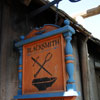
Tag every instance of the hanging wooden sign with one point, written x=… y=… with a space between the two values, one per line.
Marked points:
x=43 y=66
x=46 y=67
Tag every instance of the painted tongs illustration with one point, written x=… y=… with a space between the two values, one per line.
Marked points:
x=47 y=58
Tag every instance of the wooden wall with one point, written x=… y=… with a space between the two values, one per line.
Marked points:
x=9 y=60
x=10 y=31
x=94 y=70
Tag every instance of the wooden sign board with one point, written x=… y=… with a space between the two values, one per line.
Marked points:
x=43 y=66
x=60 y=98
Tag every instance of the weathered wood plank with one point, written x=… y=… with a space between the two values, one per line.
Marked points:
x=3 y=54
x=88 y=72
x=97 y=65
x=92 y=79
x=77 y=71
x=0 y=41
x=84 y=67
x=8 y=69
x=89 y=12
x=98 y=81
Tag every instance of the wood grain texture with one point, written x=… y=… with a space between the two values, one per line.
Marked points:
x=43 y=30
x=82 y=42
x=92 y=79
x=77 y=68
x=3 y=55
x=98 y=81
x=35 y=69
x=89 y=13
x=9 y=58
x=1 y=8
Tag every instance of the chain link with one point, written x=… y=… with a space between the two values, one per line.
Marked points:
x=56 y=17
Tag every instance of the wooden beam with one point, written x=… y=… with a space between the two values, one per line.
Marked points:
x=26 y=2
x=83 y=59
x=43 y=8
x=88 y=13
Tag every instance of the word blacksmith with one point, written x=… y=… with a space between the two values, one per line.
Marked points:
x=44 y=45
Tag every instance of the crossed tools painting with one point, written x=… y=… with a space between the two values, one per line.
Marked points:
x=45 y=82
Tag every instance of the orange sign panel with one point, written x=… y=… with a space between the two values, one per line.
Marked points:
x=43 y=66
